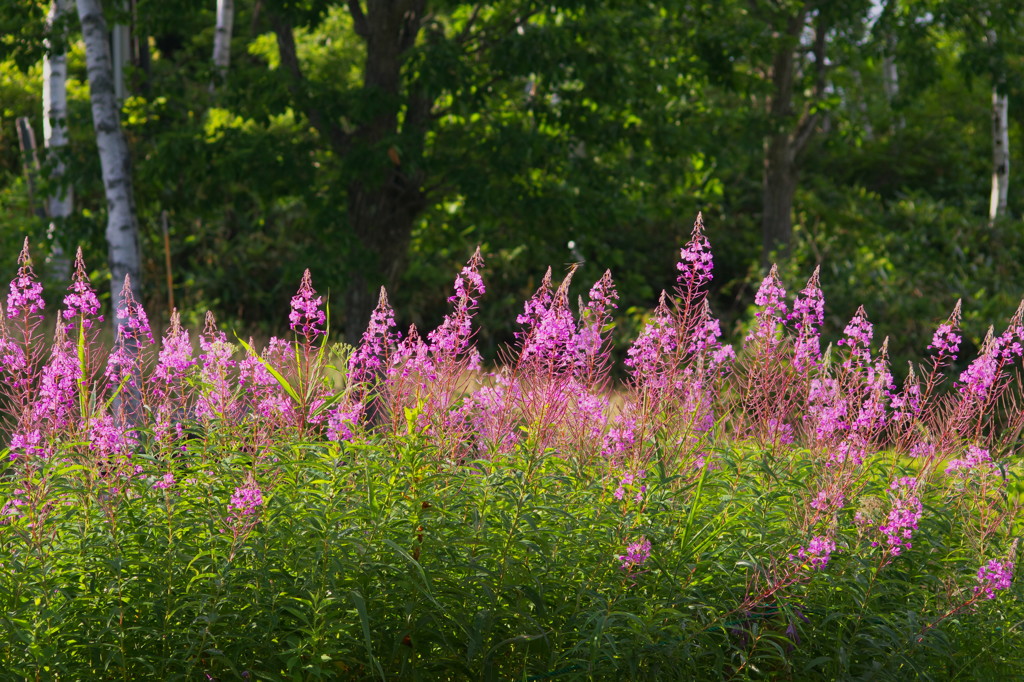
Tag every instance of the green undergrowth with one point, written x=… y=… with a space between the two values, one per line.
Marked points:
x=378 y=560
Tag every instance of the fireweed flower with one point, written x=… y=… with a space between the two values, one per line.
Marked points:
x=771 y=296
x=306 y=318
x=632 y=482
x=857 y=337
x=342 y=419
x=264 y=392
x=946 y=339
x=452 y=338
x=81 y=300
x=994 y=576
x=58 y=381
x=175 y=359
x=133 y=326
x=646 y=358
x=26 y=293
x=807 y=317
x=817 y=553
x=215 y=366
x=246 y=500
x=637 y=554
x=983 y=372
x=977 y=459
x=695 y=262
x=904 y=514
x=165 y=482
x=378 y=344
x=587 y=342
x=27 y=444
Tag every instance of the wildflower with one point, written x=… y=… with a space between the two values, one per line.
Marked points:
x=306 y=318
x=175 y=357
x=817 y=553
x=27 y=443
x=165 y=482
x=378 y=343
x=771 y=296
x=904 y=514
x=637 y=554
x=81 y=300
x=976 y=458
x=342 y=419
x=807 y=316
x=946 y=339
x=26 y=293
x=452 y=337
x=245 y=502
x=857 y=337
x=994 y=576
x=215 y=365
x=58 y=381
x=647 y=356
x=695 y=262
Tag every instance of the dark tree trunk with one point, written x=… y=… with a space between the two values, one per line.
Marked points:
x=789 y=136
x=386 y=197
x=385 y=201
x=780 y=181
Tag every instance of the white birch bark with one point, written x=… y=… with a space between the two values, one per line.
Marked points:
x=122 y=228
x=1000 y=154
x=222 y=41
x=55 y=138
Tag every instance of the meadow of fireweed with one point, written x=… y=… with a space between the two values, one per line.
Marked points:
x=203 y=509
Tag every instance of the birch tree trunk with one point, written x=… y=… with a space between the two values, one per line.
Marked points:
x=222 y=42
x=55 y=138
x=122 y=228
x=1000 y=154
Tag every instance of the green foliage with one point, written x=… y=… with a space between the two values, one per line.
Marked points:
x=373 y=560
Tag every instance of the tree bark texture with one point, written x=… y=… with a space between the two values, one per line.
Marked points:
x=1000 y=154
x=122 y=227
x=386 y=197
x=222 y=41
x=60 y=203
x=788 y=138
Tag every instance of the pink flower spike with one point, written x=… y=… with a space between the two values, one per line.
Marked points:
x=26 y=295
x=81 y=300
x=306 y=318
x=993 y=577
x=695 y=261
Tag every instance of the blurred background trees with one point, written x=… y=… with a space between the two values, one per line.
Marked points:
x=379 y=141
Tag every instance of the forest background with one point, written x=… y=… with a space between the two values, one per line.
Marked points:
x=379 y=142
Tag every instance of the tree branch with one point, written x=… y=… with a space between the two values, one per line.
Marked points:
x=333 y=134
x=359 y=19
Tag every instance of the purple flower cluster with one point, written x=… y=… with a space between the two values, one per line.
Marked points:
x=81 y=300
x=306 y=318
x=342 y=419
x=771 y=296
x=246 y=501
x=26 y=293
x=807 y=317
x=657 y=341
x=637 y=554
x=695 y=261
x=378 y=344
x=857 y=337
x=903 y=516
x=993 y=577
x=976 y=459
x=631 y=481
x=175 y=358
x=817 y=553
